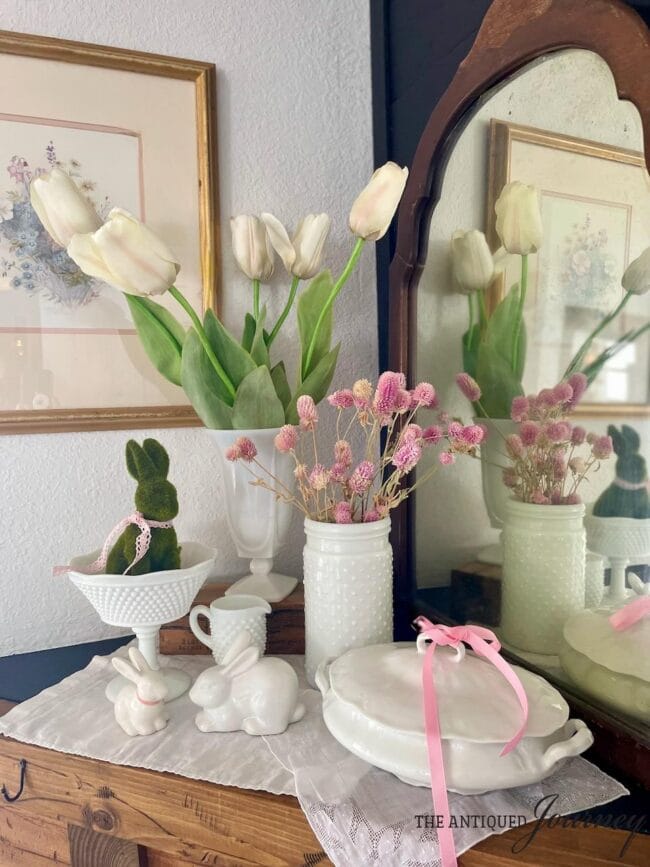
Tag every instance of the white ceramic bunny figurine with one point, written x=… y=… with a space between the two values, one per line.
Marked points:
x=245 y=692
x=140 y=706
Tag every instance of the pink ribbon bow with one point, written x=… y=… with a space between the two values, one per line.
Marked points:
x=484 y=643
x=142 y=543
x=631 y=613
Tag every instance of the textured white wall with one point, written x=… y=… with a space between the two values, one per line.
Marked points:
x=294 y=121
x=570 y=92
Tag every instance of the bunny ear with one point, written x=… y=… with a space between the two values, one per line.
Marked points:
x=617 y=439
x=125 y=669
x=631 y=437
x=138 y=660
x=246 y=659
x=157 y=455
x=138 y=462
x=242 y=640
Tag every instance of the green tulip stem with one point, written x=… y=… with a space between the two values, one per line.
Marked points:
x=470 y=304
x=287 y=308
x=579 y=357
x=256 y=299
x=482 y=309
x=198 y=327
x=336 y=288
x=520 y=310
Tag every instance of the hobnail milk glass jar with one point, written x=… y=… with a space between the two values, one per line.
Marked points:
x=348 y=577
x=543 y=573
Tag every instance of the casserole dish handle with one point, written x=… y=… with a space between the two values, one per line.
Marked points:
x=578 y=739
x=322 y=676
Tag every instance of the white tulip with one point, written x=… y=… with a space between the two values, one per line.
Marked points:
x=519 y=219
x=375 y=206
x=126 y=254
x=251 y=247
x=302 y=255
x=471 y=261
x=637 y=274
x=61 y=207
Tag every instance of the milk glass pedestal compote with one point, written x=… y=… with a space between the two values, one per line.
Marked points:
x=622 y=541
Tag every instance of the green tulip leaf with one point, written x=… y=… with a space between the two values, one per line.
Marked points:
x=249 y=332
x=499 y=385
x=259 y=350
x=232 y=356
x=161 y=334
x=205 y=390
x=317 y=383
x=256 y=402
x=310 y=305
x=281 y=383
x=470 y=341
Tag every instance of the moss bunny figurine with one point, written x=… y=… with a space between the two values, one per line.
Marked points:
x=627 y=496
x=156 y=500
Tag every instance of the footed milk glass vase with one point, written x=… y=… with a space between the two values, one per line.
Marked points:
x=543 y=574
x=495 y=493
x=258 y=522
x=348 y=579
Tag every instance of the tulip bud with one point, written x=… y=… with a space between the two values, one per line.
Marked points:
x=303 y=254
x=471 y=261
x=126 y=254
x=519 y=219
x=375 y=206
x=61 y=207
x=251 y=247
x=637 y=274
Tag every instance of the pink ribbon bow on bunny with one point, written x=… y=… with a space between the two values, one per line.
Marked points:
x=484 y=643
x=631 y=613
x=141 y=543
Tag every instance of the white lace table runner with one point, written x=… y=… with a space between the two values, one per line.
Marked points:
x=361 y=815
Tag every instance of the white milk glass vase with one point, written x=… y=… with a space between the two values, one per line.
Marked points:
x=348 y=578
x=495 y=493
x=258 y=522
x=543 y=574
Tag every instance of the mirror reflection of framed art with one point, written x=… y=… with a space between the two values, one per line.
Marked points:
x=133 y=130
x=595 y=203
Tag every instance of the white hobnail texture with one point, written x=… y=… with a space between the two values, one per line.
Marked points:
x=594 y=580
x=227 y=617
x=348 y=578
x=543 y=574
x=495 y=493
x=622 y=541
x=257 y=520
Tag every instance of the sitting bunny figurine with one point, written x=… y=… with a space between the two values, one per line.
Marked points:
x=245 y=692
x=140 y=707
x=627 y=496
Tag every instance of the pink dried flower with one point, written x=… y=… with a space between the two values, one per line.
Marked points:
x=468 y=386
x=246 y=449
x=454 y=430
x=528 y=432
x=432 y=434
x=372 y=515
x=540 y=498
x=577 y=465
x=559 y=467
x=446 y=458
x=519 y=408
x=233 y=453
x=546 y=399
x=557 y=431
x=403 y=400
x=515 y=446
x=362 y=393
x=572 y=499
x=362 y=477
x=411 y=433
x=307 y=412
x=407 y=456
x=338 y=474
x=343 y=453
x=319 y=477
x=578 y=435
x=602 y=447
x=579 y=383
x=342 y=399
x=300 y=472
x=388 y=392
x=286 y=438
x=473 y=434
x=563 y=392
x=343 y=513
x=424 y=394
x=510 y=477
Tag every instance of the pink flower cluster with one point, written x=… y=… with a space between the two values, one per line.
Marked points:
x=545 y=469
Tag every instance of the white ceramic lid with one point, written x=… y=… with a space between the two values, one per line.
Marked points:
x=625 y=652
x=476 y=703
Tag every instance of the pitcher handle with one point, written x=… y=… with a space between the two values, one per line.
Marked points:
x=203 y=637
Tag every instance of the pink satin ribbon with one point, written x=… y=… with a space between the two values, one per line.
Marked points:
x=631 y=613
x=142 y=543
x=484 y=643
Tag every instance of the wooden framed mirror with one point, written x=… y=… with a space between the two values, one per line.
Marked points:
x=573 y=79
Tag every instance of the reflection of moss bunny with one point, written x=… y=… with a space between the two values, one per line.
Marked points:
x=155 y=498
x=627 y=496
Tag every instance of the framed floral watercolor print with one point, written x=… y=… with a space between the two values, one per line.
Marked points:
x=133 y=130
x=595 y=202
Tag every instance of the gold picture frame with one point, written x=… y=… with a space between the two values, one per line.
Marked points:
x=504 y=138
x=206 y=261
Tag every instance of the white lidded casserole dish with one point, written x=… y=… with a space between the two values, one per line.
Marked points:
x=373 y=705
